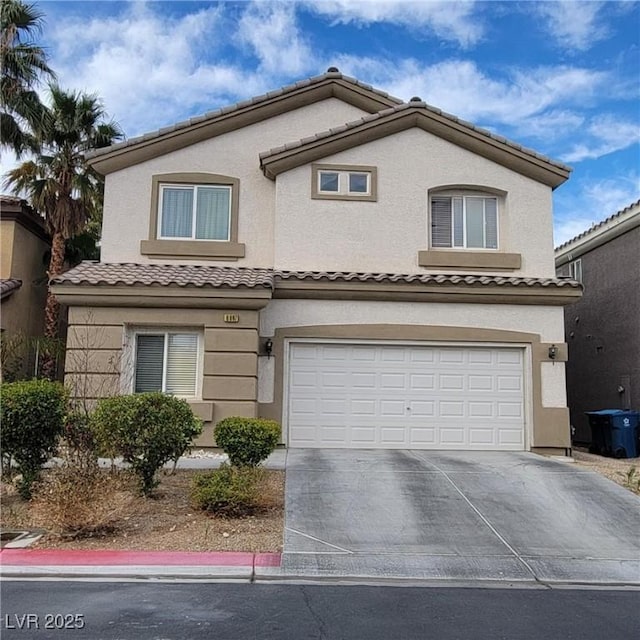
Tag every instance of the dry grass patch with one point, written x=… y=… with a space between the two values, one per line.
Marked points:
x=168 y=521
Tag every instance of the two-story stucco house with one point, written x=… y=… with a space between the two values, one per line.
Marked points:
x=371 y=273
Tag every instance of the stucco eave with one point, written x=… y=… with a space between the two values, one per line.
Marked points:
x=409 y=293
x=456 y=132
x=574 y=250
x=163 y=142
x=161 y=297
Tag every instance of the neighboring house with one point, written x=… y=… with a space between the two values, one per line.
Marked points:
x=385 y=283
x=23 y=269
x=603 y=328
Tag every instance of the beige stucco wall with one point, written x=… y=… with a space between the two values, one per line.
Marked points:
x=98 y=365
x=548 y=322
x=22 y=258
x=235 y=154
x=385 y=236
x=6 y=247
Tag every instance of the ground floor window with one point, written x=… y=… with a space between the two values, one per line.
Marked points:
x=166 y=361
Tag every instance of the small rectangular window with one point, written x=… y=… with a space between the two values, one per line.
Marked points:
x=358 y=183
x=344 y=182
x=464 y=221
x=198 y=212
x=575 y=270
x=166 y=362
x=329 y=181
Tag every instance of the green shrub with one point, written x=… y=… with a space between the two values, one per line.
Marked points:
x=146 y=429
x=32 y=417
x=247 y=441
x=230 y=491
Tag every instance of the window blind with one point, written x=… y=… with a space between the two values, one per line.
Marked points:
x=182 y=358
x=441 y=222
x=149 y=363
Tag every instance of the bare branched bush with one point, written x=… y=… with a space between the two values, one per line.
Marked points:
x=81 y=501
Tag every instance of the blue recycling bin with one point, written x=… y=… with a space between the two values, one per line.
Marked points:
x=614 y=432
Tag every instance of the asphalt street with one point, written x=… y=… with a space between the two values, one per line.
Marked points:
x=223 y=611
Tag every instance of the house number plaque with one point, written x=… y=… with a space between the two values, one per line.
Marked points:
x=231 y=317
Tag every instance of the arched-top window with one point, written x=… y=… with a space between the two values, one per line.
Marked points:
x=464 y=218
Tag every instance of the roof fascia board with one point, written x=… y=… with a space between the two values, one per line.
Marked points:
x=29 y=221
x=426 y=293
x=160 y=297
x=590 y=242
x=455 y=132
x=235 y=119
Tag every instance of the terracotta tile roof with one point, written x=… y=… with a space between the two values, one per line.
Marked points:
x=112 y=274
x=426 y=278
x=8 y=286
x=594 y=228
x=413 y=104
x=212 y=115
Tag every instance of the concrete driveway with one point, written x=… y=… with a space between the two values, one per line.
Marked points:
x=513 y=517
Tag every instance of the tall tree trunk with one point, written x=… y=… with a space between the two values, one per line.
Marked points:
x=52 y=308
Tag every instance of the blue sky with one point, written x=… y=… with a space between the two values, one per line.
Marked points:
x=560 y=77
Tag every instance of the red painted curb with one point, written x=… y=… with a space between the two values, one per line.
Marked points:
x=267 y=559
x=56 y=557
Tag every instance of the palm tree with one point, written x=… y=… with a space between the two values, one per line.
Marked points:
x=22 y=64
x=59 y=183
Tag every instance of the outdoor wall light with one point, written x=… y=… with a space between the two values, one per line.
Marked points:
x=553 y=352
x=268 y=347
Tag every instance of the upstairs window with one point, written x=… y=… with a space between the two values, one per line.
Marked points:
x=195 y=212
x=465 y=222
x=575 y=270
x=343 y=182
x=166 y=362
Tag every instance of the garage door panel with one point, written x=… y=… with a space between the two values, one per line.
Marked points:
x=392 y=381
x=481 y=356
x=480 y=383
x=422 y=382
x=481 y=409
x=422 y=409
x=379 y=396
x=451 y=409
x=392 y=408
x=422 y=435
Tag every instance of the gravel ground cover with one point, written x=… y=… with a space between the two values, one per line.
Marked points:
x=167 y=521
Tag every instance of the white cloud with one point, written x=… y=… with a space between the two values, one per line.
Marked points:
x=606 y=134
x=451 y=21
x=272 y=32
x=147 y=68
x=461 y=88
x=591 y=202
x=574 y=25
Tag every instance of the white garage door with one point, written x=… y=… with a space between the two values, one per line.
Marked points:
x=415 y=397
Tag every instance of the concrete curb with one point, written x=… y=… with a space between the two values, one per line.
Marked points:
x=52 y=563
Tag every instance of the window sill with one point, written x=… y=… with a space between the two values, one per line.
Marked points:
x=365 y=197
x=192 y=249
x=465 y=259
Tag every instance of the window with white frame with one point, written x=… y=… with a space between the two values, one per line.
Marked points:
x=166 y=361
x=464 y=221
x=343 y=182
x=195 y=212
x=575 y=270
